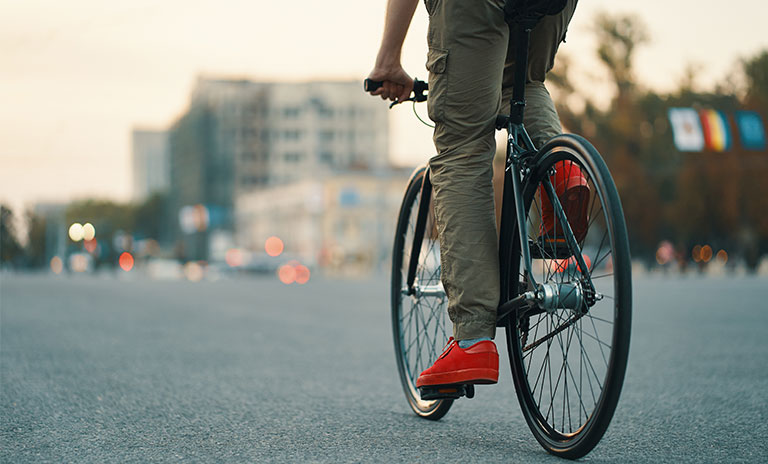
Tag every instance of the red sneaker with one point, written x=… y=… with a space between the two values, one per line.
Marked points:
x=478 y=364
x=573 y=192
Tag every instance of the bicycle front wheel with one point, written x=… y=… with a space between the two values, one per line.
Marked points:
x=568 y=362
x=420 y=323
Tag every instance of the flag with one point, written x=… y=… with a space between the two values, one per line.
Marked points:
x=686 y=129
x=751 y=130
x=717 y=133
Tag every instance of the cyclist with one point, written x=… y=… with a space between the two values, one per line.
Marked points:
x=471 y=63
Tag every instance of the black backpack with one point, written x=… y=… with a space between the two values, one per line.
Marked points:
x=518 y=9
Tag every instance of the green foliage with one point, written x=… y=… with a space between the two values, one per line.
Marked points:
x=756 y=73
x=35 y=249
x=10 y=250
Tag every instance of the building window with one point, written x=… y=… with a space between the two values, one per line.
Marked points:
x=326 y=136
x=292 y=157
x=292 y=135
x=326 y=157
x=291 y=112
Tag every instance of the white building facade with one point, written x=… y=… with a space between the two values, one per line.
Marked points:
x=343 y=223
x=242 y=141
x=150 y=162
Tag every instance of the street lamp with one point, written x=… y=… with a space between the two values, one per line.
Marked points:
x=76 y=232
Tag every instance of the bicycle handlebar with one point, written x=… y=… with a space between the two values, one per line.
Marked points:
x=419 y=87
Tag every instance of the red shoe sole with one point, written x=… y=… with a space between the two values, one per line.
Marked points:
x=474 y=376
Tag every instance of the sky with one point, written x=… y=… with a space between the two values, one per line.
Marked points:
x=77 y=76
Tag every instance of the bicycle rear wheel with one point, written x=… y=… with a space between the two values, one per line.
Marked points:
x=420 y=324
x=568 y=365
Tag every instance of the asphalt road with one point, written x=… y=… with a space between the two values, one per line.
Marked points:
x=115 y=370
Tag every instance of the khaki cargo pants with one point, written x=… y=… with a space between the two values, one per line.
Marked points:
x=471 y=63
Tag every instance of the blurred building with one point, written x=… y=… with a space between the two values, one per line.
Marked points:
x=54 y=217
x=239 y=136
x=150 y=163
x=344 y=223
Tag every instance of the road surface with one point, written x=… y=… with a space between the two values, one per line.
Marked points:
x=99 y=369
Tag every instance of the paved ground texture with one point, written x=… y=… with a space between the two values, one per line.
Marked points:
x=114 y=370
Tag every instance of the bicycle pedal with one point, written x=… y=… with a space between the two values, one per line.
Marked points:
x=549 y=249
x=446 y=392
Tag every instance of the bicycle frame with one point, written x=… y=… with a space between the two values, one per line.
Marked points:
x=520 y=151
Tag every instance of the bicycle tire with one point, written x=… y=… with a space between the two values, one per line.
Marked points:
x=533 y=355
x=420 y=326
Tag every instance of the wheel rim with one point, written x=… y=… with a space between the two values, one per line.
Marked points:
x=422 y=323
x=566 y=356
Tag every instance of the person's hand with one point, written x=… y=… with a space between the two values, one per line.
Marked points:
x=397 y=84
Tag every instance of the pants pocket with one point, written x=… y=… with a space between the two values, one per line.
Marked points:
x=437 y=63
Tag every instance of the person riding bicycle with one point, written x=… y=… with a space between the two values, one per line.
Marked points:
x=471 y=63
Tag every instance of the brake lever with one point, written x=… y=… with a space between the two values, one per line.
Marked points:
x=419 y=87
x=397 y=102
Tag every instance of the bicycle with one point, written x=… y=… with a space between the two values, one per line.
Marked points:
x=567 y=316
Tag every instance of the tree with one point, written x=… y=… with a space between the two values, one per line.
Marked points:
x=150 y=217
x=35 y=249
x=756 y=73
x=10 y=250
x=618 y=36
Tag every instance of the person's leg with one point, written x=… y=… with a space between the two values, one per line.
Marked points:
x=541 y=120
x=467 y=48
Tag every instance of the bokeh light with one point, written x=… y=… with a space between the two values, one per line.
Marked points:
x=194 y=271
x=287 y=274
x=78 y=262
x=234 y=257
x=665 y=253
x=696 y=254
x=89 y=232
x=126 y=261
x=302 y=274
x=273 y=246
x=722 y=256
x=57 y=265
x=76 y=232
x=194 y=218
x=91 y=245
x=706 y=253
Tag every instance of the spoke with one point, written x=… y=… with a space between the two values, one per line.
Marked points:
x=564 y=367
x=597 y=339
x=553 y=333
x=600 y=343
x=570 y=371
x=592 y=368
x=581 y=367
x=589 y=379
x=594 y=266
x=530 y=360
x=589 y=315
x=599 y=249
x=557 y=382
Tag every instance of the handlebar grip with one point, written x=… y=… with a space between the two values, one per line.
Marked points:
x=370 y=85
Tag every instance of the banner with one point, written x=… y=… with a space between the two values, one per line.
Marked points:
x=717 y=133
x=686 y=129
x=751 y=130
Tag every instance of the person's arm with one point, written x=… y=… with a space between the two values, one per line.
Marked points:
x=397 y=83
